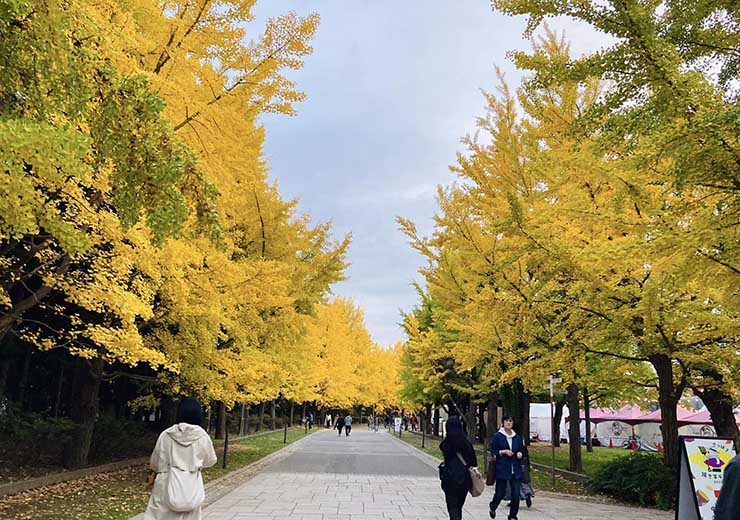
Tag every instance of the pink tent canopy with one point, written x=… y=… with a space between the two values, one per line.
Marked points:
x=597 y=415
x=656 y=416
x=702 y=418
x=629 y=414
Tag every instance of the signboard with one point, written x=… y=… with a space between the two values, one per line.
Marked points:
x=397 y=424
x=703 y=462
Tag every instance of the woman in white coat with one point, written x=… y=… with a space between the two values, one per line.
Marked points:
x=185 y=449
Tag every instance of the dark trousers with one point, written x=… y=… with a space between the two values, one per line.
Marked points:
x=498 y=496
x=340 y=429
x=455 y=498
x=347 y=429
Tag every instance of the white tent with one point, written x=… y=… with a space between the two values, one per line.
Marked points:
x=539 y=421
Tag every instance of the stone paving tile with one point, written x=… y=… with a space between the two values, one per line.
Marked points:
x=278 y=496
x=322 y=494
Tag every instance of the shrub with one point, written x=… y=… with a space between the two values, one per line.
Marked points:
x=118 y=439
x=41 y=437
x=640 y=477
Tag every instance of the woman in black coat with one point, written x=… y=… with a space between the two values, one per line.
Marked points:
x=339 y=425
x=453 y=473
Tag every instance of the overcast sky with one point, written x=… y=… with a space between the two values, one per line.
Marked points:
x=392 y=87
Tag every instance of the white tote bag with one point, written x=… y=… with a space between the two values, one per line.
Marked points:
x=185 y=491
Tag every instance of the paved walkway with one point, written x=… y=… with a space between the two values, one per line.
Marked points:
x=372 y=476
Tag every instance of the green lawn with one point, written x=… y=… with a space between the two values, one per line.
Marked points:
x=540 y=480
x=121 y=494
x=541 y=454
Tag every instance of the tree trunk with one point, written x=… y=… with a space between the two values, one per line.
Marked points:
x=58 y=394
x=436 y=420
x=668 y=396
x=241 y=420
x=524 y=427
x=292 y=407
x=260 y=419
x=720 y=407
x=587 y=419
x=84 y=408
x=482 y=426
x=492 y=423
x=470 y=421
x=559 y=404
x=574 y=430
x=246 y=420
x=23 y=381
x=208 y=418
x=4 y=371
x=220 y=420
x=274 y=419
x=304 y=417
x=168 y=417
x=427 y=419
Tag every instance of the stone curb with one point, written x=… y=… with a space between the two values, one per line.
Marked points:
x=14 y=488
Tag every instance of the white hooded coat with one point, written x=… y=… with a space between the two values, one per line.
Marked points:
x=185 y=446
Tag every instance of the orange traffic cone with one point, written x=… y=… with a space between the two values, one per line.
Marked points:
x=660 y=447
x=633 y=444
x=611 y=444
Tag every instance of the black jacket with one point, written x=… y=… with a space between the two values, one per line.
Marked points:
x=728 y=504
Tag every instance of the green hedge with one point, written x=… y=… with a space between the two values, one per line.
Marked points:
x=640 y=477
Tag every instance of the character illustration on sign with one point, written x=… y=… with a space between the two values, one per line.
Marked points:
x=617 y=429
x=712 y=459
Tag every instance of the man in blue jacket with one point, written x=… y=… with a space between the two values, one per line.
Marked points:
x=509 y=450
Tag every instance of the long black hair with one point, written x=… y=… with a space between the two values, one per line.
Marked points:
x=190 y=411
x=455 y=438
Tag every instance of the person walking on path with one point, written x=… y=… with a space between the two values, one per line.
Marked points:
x=453 y=474
x=347 y=424
x=509 y=450
x=180 y=454
x=728 y=503
x=340 y=424
x=328 y=423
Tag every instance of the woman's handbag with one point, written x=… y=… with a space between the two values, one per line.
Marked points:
x=477 y=485
x=491 y=472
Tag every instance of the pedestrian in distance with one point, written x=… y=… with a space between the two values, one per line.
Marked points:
x=180 y=454
x=328 y=423
x=348 y=424
x=340 y=424
x=509 y=450
x=728 y=503
x=453 y=472
x=309 y=420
